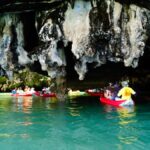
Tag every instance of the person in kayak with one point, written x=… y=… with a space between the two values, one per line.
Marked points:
x=108 y=92
x=126 y=92
x=116 y=88
x=14 y=91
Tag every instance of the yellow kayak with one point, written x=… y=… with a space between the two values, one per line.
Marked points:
x=77 y=93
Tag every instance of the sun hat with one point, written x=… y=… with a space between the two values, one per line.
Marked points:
x=124 y=83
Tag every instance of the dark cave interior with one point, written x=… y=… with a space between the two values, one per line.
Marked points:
x=109 y=72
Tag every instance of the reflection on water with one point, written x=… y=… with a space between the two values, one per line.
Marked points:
x=121 y=110
x=80 y=123
x=74 y=109
x=23 y=103
x=51 y=103
x=126 y=133
x=127 y=117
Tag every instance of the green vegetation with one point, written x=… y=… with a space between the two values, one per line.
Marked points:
x=24 y=78
x=3 y=79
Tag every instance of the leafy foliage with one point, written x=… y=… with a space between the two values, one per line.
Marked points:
x=3 y=80
x=25 y=78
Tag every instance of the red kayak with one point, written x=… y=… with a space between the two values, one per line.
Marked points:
x=45 y=94
x=111 y=102
x=95 y=93
x=23 y=94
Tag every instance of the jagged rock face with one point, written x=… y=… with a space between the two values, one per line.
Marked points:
x=100 y=31
x=12 y=52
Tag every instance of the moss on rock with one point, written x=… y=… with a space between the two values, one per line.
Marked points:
x=25 y=78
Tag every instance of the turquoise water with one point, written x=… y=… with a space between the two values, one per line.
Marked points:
x=77 y=124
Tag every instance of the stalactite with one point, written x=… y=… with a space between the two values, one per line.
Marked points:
x=51 y=58
x=99 y=30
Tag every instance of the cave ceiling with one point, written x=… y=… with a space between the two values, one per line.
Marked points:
x=99 y=30
x=33 y=5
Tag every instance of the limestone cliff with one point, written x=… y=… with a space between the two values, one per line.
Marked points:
x=100 y=30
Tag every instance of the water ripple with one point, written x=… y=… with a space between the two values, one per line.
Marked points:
x=83 y=125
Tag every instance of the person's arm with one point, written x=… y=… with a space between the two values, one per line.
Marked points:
x=119 y=93
x=133 y=92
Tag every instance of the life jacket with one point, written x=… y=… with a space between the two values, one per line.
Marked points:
x=126 y=93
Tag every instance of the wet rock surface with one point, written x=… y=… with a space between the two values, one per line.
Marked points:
x=97 y=32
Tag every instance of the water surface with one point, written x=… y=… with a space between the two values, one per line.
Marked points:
x=76 y=124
